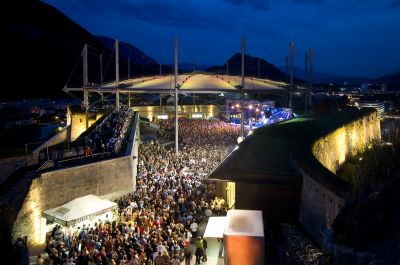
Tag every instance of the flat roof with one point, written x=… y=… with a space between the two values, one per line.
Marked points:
x=244 y=223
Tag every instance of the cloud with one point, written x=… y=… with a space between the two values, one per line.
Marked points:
x=394 y=3
x=210 y=29
x=253 y=4
x=190 y=14
x=300 y=2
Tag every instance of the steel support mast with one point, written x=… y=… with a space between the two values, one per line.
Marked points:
x=117 y=74
x=242 y=93
x=85 y=83
x=291 y=73
x=176 y=95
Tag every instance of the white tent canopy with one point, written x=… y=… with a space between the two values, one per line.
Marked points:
x=79 y=210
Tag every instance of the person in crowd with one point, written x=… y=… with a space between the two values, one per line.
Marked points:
x=187 y=255
x=204 y=258
x=193 y=227
x=155 y=223
x=199 y=250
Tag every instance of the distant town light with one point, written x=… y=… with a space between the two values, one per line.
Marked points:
x=197 y=115
x=162 y=116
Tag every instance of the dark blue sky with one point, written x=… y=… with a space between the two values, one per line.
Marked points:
x=350 y=37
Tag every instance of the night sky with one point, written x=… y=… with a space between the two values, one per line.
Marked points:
x=350 y=37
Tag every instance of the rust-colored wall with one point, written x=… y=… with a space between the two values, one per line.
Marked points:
x=244 y=250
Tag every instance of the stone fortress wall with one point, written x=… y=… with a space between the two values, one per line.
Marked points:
x=320 y=204
x=109 y=179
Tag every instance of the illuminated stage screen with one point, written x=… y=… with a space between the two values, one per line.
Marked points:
x=256 y=114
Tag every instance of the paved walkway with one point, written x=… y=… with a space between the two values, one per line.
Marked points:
x=213 y=251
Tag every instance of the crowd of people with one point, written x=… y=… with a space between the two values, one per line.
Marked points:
x=159 y=222
x=111 y=134
x=195 y=132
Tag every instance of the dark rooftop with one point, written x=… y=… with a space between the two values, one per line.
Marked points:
x=267 y=155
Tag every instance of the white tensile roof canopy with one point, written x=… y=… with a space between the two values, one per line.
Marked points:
x=79 y=210
x=188 y=83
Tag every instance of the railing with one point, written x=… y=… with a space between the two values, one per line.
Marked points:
x=54 y=164
x=32 y=150
x=46 y=144
x=82 y=160
x=47 y=164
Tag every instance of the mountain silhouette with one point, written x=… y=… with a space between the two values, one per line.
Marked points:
x=126 y=50
x=43 y=51
x=267 y=70
x=42 y=47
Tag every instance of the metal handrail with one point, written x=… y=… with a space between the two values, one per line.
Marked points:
x=46 y=162
x=82 y=158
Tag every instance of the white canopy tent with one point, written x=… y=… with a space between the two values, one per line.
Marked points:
x=79 y=210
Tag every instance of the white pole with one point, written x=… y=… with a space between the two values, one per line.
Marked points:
x=85 y=65
x=194 y=102
x=286 y=69
x=310 y=76
x=176 y=95
x=85 y=83
x=242 y=98
x=306 y=80
x=291 y=73
x=227 y=67
x=86 y=103
x=129 y=68
x=101 y=68
x=117 y=73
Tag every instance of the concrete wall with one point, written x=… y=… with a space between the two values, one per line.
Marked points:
x=320 y=205
x=56 y=139
x=332 y=150
x=318 y=209
x=108 y=179
x=77 y=120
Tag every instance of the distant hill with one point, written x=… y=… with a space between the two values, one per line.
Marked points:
x=41 y=49
x=127 y=50
x=188 y=67
x=267 y=70
x=390 y=79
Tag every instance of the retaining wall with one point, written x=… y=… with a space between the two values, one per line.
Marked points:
x=108 y=179
x=320 y=203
